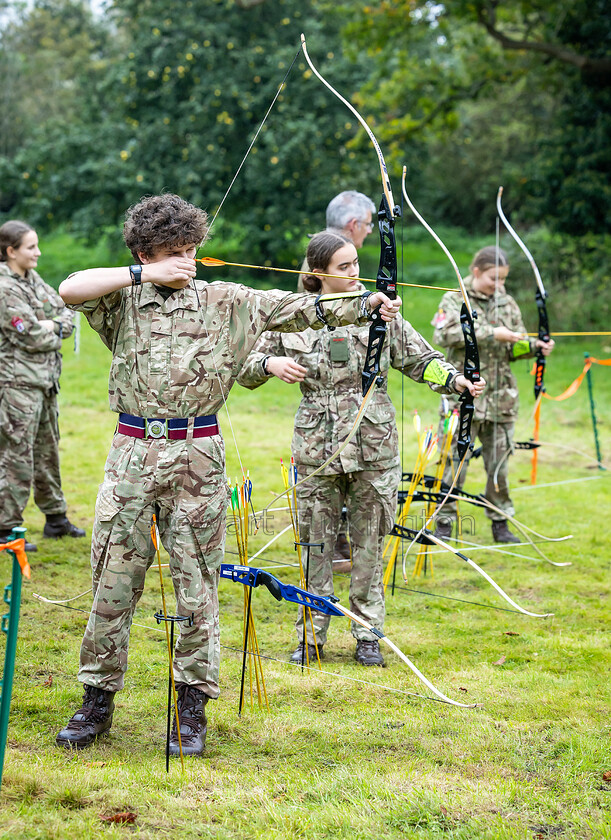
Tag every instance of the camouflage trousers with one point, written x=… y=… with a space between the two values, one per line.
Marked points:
x=29 y=454
x=185 y=480
x=496 y=440
x=370 y=497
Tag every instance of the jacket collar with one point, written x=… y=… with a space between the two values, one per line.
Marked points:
x=180 y=299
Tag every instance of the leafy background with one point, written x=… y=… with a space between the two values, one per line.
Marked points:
x=102 y=104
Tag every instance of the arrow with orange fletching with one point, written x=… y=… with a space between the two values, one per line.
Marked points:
x=213 y=261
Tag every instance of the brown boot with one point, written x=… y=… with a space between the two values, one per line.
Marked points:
x=92 y=719
x=298 y=657
x=368 y=653
x=502 y=534
x=193 y=722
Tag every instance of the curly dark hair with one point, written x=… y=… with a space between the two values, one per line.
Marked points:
x=161 y=221
x=321 y=248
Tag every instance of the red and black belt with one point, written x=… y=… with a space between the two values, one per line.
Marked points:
x=156 y=429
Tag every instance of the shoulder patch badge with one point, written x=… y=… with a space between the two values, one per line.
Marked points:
x=18 y=324
x=440 y=318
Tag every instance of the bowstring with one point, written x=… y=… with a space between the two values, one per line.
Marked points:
x=218 y=210
x=254 y=139
x=497 y=462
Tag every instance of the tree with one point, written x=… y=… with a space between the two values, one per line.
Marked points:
x=178 y=108
x=539 y=71
x=51 y=55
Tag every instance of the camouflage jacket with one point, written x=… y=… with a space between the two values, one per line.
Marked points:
x=332 y=391
x=499 y=402
x=179 y=357
x=30 y=353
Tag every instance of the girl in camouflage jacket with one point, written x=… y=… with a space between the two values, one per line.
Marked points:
x=502 y=340
x=33 y=322
x=365 y=477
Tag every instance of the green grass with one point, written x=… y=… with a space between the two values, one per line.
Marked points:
x=334 y=757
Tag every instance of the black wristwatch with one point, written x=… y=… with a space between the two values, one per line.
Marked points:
x=135 y=272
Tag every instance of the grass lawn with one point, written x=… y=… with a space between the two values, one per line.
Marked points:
x=346 y=753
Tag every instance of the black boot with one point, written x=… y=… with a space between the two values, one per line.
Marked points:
x=368 y=653
x=298 y=656
x=502 y=534
x=58 y=525
x=193 y=722
x=444 y=529
x=5 y=536
x=92 y=719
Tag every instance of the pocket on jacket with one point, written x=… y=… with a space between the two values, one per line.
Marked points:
x=379 y=437
x=312 y=438
x=18 y=416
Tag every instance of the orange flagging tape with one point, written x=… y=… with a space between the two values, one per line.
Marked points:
x=574 y=386
x=18 y=546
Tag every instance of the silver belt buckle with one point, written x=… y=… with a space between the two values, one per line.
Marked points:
x=155 y=429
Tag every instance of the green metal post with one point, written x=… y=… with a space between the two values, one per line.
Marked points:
x=593 y=412
x=10 y=624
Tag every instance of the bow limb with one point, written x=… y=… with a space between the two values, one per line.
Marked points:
x=471 y=363
x=543 y=331
x=524 y=529
x=467 y=316
x=487 y=577
x=383 y=171
x=383 y=638
x=431 y=538
x=540 y=298
x=386 y=280
x=446 y=492
x=471 y=498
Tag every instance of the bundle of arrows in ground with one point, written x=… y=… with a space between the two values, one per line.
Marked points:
x=428 y=445
x=450 y=425
x=240 y=506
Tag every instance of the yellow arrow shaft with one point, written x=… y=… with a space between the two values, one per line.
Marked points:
x=219 y=263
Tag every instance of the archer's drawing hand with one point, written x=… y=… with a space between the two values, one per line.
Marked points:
x=175 y=272
x=389 y=309
x=47 y=324
x=476 y=389
x=507 y=335
x=286 y=369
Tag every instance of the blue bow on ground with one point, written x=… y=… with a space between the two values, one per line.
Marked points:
x=251 y=576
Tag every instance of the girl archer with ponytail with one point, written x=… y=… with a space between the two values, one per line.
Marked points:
x=328 y=367
x=502 y=340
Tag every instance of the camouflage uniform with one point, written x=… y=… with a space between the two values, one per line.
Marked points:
x=174 y=356
x=496 y=410
x=29 y=382
x=366 y=474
